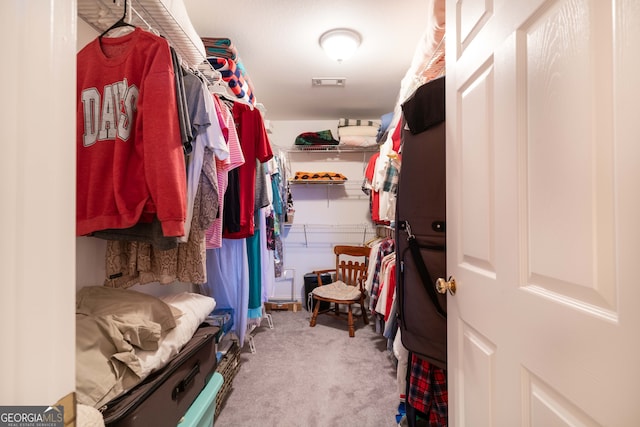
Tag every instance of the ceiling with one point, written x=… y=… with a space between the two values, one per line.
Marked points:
x=277 y=42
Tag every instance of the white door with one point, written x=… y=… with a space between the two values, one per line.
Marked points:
x=543 y=212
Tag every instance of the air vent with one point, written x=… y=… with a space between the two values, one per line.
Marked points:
x=329 y=81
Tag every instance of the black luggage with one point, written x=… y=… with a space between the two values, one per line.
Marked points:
x=420 y=230
x=310 y=283
x=164 y=397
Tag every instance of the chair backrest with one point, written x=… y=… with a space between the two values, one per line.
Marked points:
x=351 y=264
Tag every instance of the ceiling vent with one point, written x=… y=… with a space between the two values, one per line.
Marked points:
x=328 y=81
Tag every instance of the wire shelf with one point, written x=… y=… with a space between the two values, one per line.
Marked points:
x=152 y=15
x=328 y=234
x=334 y=148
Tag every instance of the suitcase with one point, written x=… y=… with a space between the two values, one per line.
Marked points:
x=310 y=283
x=164 y=397
x=421 y=212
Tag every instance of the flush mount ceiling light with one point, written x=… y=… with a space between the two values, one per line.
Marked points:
x=340 y=44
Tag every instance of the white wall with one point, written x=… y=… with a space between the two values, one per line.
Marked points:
x=324 y=215
x=37 y=188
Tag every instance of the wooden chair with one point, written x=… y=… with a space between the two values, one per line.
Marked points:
x=348 y=287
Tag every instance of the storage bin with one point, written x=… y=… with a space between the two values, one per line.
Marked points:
x=222 y=318
x=201 y=413
x=311 y=282
x=228 y=368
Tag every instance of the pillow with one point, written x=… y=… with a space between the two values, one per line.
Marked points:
x=102 y=300
x=195 y=306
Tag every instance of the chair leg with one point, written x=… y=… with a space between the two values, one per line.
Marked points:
x=364 y=312
x=352 y=331
x=316 y=308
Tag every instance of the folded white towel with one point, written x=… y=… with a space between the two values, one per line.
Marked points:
x=358 y=141
x=358 y=122
x=357 y=131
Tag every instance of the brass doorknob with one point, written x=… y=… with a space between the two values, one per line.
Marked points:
x=443 y=286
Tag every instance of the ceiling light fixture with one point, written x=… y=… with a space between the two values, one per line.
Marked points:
x=340 y=43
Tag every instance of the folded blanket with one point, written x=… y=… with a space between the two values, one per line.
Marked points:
x=221 y=53
x=220 y=47
x=356 y=122
x=357 y=130
x=232 y=75
x=319 y=176
x=385 y=122
x=222 y=42
x=244 y=73
x=323 y=137
x=358 y=141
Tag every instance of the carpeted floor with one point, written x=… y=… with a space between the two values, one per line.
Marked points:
x=313 y=377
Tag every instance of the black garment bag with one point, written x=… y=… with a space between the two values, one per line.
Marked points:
x=421 y=227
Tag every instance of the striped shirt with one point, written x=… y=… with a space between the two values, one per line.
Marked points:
x=235 y=159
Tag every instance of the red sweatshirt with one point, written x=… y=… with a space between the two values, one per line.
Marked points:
x=130 y=162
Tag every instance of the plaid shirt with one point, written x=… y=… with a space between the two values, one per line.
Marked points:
x=391 y=176
x=386 y=247
x=428 y=391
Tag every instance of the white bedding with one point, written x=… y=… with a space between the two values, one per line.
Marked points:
x=112 y=327
x=195 y=308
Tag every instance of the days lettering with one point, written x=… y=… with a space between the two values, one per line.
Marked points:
x=111 y=115
x=127 y=111
x=108 y=118
x=91 y=112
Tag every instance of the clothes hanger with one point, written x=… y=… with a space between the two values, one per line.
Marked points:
x=120 y=23
x=219 y=87
x=213 y=79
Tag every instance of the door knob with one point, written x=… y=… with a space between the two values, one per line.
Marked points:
x=443 y=286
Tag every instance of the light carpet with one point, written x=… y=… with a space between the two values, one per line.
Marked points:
x=301 y=376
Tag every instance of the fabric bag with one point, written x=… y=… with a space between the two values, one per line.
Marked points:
x=420 y=230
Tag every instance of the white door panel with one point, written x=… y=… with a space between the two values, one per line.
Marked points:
x=543 y=166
